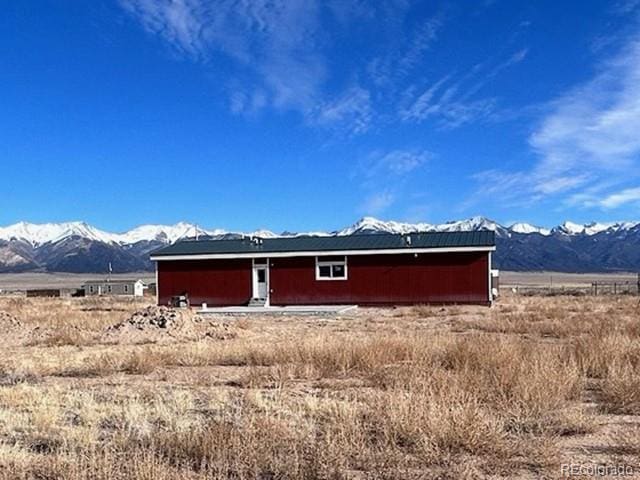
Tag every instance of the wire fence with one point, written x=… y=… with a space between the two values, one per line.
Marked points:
x=615 y=288
x=595 y=288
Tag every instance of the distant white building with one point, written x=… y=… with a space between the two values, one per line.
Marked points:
x=131 y=287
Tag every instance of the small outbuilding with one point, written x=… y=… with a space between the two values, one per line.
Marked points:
x=130 y=287
x=375 y=269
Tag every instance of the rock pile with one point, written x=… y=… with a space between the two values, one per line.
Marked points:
x=167 y=325
x=159 y=317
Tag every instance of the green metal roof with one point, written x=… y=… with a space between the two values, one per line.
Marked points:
x=248 y=245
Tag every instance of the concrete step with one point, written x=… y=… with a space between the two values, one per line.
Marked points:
x=257 y=302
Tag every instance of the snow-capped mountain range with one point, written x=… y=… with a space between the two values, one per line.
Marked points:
x=80 y=247
x=37 y=235
x=40 y=234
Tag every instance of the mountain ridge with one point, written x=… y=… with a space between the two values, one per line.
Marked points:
x=82 y=248
x=40 y=234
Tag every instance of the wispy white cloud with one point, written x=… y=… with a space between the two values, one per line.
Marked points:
x=587 y=146
x=594 y=128
x=422 y=40
x=377 y=203
x=180 y=22
x=447 y=106
x=352 y=111
x=395 y=163
x=452 y=100
x=514 y=59
x=625 y=7
x=247 y=102
x=609 y=201
x=402 y=162
x=407 y=50
x=596 y=125
x=383 y=176
x=282 y=54
x=280 y=51
x=272 y=42
x=615 y=200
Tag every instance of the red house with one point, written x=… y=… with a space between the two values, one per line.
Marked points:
x=376 y=269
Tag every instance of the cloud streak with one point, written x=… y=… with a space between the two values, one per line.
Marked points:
x=443 y=103
x=384 y=174
x=587 y=143
x=273 y=44
x=377 y=203
x=179 y=22
x=352 y=111
x=283 y=55
x=452 y=102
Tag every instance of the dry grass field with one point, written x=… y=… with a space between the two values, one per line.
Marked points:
x=514 y=391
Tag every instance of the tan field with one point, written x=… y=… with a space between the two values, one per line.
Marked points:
x=560 y=279
x=515 y=391
x=23 y=281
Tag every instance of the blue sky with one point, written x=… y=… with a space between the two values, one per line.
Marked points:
x=300 y=115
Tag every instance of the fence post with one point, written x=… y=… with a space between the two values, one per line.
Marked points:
x=595 y=289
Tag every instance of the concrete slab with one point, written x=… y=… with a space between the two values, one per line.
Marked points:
x=286 y=310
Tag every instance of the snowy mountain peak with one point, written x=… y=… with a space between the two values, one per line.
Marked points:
x=471 y=224
x=39 y=234
x=262 y=233
x=593 y=228
x=371 y=224
x=527 y=228
x=161 y=233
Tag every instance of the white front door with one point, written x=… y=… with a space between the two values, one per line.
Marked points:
x=261 y=280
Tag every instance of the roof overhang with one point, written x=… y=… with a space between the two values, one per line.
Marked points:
x=322 y=253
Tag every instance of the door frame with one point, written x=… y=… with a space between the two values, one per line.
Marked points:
x=254 y=278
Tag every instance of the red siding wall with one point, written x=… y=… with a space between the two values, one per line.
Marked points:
x=372 y=279
x=215 y=282
x=384 y=279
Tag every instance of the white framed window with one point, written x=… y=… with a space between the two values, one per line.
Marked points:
x=126 y=289
x=331 y=268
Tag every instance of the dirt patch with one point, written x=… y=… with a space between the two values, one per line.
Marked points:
x=165 y=325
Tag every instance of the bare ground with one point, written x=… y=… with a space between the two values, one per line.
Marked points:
x=106 y=388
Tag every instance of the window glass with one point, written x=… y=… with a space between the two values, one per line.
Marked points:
x=324 y=271
x=332 y=258
x=338 y=271
x=262 y=275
